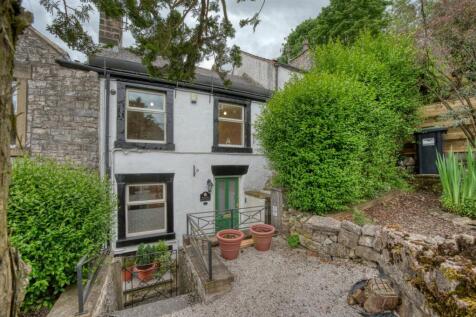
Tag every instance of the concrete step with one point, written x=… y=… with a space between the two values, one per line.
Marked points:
x=222 y=278
x=155 y=309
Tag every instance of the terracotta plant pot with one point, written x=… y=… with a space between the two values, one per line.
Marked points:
x=127 y=274
x=262 y=235
x=230 y=241
x=145 y=273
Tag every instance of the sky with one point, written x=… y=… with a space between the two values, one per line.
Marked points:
x=278 y=18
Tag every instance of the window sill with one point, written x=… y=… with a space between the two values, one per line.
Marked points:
x=225 y=149
x=145 y=239
x=144 y=146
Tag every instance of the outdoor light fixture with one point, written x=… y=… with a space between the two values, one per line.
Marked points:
x=209 y=185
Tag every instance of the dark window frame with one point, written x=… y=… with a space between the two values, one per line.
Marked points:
x=122 y=181
x=246 y=104
x=121 y=141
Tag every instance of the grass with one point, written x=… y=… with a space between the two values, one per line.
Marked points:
x=360 y=218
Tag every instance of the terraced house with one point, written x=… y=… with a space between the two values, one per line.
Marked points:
x=169 y=148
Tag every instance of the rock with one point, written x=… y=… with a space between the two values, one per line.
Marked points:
x=357 y=298
x=324 y=224
x=367 y=254
x=328 y=241
x=379 y=296
x=370 y=230
x=378 y=243
x=338 y=250
x=348 y=238
x=446 y=278
x=367 y=241
x=352 y=227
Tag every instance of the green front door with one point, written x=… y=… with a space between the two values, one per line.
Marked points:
x=226 y=203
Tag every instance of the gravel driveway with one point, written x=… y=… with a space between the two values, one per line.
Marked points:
x=285 y=282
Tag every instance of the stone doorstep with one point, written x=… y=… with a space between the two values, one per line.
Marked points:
x=156 y=308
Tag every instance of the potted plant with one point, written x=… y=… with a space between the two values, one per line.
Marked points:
x=230 y=241
x=262 y=235
x=145 y=264
x=127 y=268
x=162 y=258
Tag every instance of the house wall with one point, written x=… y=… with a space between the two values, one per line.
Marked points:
x=62 y=103
x=264 y=71
x=193 y=139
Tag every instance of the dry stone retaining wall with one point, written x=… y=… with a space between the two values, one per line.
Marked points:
x=435 y=276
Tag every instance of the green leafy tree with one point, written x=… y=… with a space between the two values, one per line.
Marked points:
x=333 y=136
x=342 y=19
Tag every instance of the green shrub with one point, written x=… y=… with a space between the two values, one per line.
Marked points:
x=360 y=218
x=293 y=241
x=56 y=214
x=458 y=181
x=333 y=136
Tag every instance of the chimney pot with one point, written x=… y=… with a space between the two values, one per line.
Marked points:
x=110 y=30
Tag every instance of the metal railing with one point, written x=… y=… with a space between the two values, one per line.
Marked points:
x=153 y=280
x=92 y=265
x=201 y=245
x=202 y=226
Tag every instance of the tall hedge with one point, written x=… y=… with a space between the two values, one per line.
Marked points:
x=56 y=214
x=333 y=136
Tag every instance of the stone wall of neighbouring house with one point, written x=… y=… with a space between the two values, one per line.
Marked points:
x=62 y=103
x=436 y=276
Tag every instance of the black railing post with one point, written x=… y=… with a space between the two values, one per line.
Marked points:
x=188 y=224
x=79 y=276
x=210 y=270
x=231 y=221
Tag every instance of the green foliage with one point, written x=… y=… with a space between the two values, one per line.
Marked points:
x=57 y=213
x=145 y=254
x=183 y=33
x=458 y=181
x=333 y=137
x=342 y=19
x=360 y=218
x=293 y=241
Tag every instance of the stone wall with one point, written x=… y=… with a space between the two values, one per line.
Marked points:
x=436 y=276
x=62 y=103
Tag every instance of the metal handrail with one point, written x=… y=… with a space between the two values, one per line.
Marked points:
x=201 y=226
x=193 y=226
x=83 y=291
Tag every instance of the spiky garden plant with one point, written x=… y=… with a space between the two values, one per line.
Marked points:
x=458 y=180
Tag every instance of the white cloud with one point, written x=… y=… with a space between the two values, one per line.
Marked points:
x=278 y=18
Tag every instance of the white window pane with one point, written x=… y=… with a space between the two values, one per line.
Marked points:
x=145 y=100
x=228 y=111
x=146 y=192
x=144 y=218
x=145 y=126
x=230 y=133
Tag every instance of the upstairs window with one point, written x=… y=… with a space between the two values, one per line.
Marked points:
x=231 y=125
x=13 y=133
x=145 y=116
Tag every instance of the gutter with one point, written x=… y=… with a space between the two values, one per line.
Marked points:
x=107 y=170
x=182 y=84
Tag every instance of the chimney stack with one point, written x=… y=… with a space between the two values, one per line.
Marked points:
x=110 y=30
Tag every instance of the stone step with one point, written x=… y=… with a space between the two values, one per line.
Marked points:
x=155 y=309
x=222 y=278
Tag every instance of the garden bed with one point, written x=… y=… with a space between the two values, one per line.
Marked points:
x=416 y=212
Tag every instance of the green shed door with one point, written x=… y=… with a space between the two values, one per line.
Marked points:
x=226 y=202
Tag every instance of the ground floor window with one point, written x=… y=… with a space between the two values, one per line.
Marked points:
x=145 y=211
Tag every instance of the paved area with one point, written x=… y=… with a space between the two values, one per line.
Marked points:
x=281 y=282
